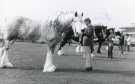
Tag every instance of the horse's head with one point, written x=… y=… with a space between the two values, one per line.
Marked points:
x=78 y=23
x=72 y=19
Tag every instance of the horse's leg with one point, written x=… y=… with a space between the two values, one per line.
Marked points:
x=122 y=50
x=65 y=38
x=49 y=66
x=4 y=61
x=60 y=50
x=110 y=50
x=99 y=47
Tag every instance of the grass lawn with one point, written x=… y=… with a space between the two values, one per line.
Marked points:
x=29 y=58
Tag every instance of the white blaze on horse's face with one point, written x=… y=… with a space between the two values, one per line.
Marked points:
x=78 y=24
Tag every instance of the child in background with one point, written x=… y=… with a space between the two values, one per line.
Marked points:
x=110 y=43
x=128 y=42
x=4 y=61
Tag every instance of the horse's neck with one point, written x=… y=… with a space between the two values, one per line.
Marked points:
x=60 y=26
x=65 y=19
x=54 y=28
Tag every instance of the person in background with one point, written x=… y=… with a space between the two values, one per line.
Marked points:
x=122 y=42
x=128 y=42
x=110 y=43
x=87 y=43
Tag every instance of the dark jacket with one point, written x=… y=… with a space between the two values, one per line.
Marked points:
x=121 y=40
x=88 y=36
x=110 y=37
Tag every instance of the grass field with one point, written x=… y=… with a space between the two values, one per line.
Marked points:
x=28 y=59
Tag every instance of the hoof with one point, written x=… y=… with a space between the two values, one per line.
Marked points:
x=79 y=49
x=60 y=53
x=7 y=65
x=49 y=69
x=88 y=69
x=92 y=55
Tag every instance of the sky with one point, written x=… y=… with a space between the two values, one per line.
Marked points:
x=113 y=13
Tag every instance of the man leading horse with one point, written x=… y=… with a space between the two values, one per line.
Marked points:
x=86 y=40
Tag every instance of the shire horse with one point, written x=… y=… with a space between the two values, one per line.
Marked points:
x=68 y=36
x=100 y=32
x=49 y=32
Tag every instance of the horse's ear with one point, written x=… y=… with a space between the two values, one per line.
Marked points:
x=76 y=14
x=82 y=14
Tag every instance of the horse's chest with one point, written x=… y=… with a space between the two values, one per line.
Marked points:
x=47 y=33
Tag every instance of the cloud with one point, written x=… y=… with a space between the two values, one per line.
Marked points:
x=110 y=12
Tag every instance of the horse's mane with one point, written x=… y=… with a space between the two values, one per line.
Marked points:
x=66 y=12
x=65 y=17
x=61 y=21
